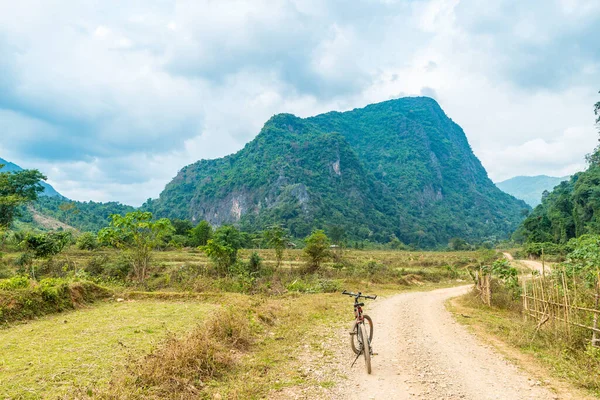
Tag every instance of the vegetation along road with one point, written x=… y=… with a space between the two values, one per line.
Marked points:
x=424 y=353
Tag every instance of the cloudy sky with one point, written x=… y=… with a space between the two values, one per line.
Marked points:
x=110 y=98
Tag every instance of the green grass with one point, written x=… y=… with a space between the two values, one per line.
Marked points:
x=46 y=358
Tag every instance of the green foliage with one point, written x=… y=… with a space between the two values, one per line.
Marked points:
x=182 y=226
x=316 y=250
x=548 y=248
x=21 y=298
x=401 y=168
x=137 y=233
x=16 y=189
x=87 y=241
x=16 y=282
x=277 y=238
x=254 y=263
x=572 y=209
x=46 y=245
x=201 y=234
x=458 y=244
x=584 y=259
x=223 y=247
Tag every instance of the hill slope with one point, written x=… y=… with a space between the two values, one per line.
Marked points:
x=530 y=188
x=10 y=167
x=400 y=167
x=570 y=210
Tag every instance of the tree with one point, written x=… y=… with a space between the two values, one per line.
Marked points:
x=16 y=189
x=277 y=238
x=45 y=245
x=70 y=210
x=223 y=247
x=201 y=234
x=458 y=244
x=337 y=234
x=316 y=250
x=594 y=157
x=182 y=226
x=137 y=233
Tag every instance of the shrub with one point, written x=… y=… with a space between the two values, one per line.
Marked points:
x=16 y=282
x=95 y=266
x=316 y=250
x=87 y=241
x=255 y=263
x=119 y=268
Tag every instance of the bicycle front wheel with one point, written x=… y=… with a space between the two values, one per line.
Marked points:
x=354 y=334
x=366 y=346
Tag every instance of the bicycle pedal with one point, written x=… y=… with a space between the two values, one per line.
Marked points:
x=352 y=333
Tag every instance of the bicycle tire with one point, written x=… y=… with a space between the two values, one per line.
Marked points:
x=366 y=347
x=354 y=335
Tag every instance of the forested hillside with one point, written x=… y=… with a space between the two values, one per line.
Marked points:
x=572 y=209
x=400 y=168
x=530 y=188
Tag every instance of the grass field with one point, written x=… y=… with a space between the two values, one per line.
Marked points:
x=109 y=349
x=48 y=357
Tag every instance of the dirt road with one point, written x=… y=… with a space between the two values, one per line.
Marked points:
x=424 y=354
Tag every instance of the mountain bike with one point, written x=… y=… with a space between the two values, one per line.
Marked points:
x=361 y=334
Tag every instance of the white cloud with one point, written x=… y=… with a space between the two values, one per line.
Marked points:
x=110 y=99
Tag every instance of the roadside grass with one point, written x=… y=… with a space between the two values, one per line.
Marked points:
x=47 y=357
x=566 y=358
x=281 y=346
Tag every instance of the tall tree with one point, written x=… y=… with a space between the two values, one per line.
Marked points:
x=201 y=233
x=137 y=233
x=16 y=189
x=223 y=247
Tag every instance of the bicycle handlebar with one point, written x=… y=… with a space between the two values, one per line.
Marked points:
x=359 y=295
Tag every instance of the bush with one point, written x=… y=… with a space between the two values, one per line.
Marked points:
x=5 y=271
x=17 y=282
x=96 y=265
x=255 y=263
x=87 y=241
x=120 y=268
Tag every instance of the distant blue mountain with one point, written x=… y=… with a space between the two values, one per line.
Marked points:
x=530 y=188
x=49 y=191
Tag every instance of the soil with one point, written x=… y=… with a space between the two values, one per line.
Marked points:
x=423 y=353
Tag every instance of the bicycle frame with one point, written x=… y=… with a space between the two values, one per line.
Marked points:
x=358 y=312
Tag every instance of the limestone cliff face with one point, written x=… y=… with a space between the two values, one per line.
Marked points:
x=400 y=167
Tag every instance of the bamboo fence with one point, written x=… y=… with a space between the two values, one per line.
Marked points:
x=557 y=299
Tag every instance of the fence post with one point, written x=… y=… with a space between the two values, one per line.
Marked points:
x=543 y=264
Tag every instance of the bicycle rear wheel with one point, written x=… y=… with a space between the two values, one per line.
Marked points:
x=354 y=334
x=366 y=346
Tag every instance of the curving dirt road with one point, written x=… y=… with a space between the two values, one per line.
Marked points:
x=424 y=354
